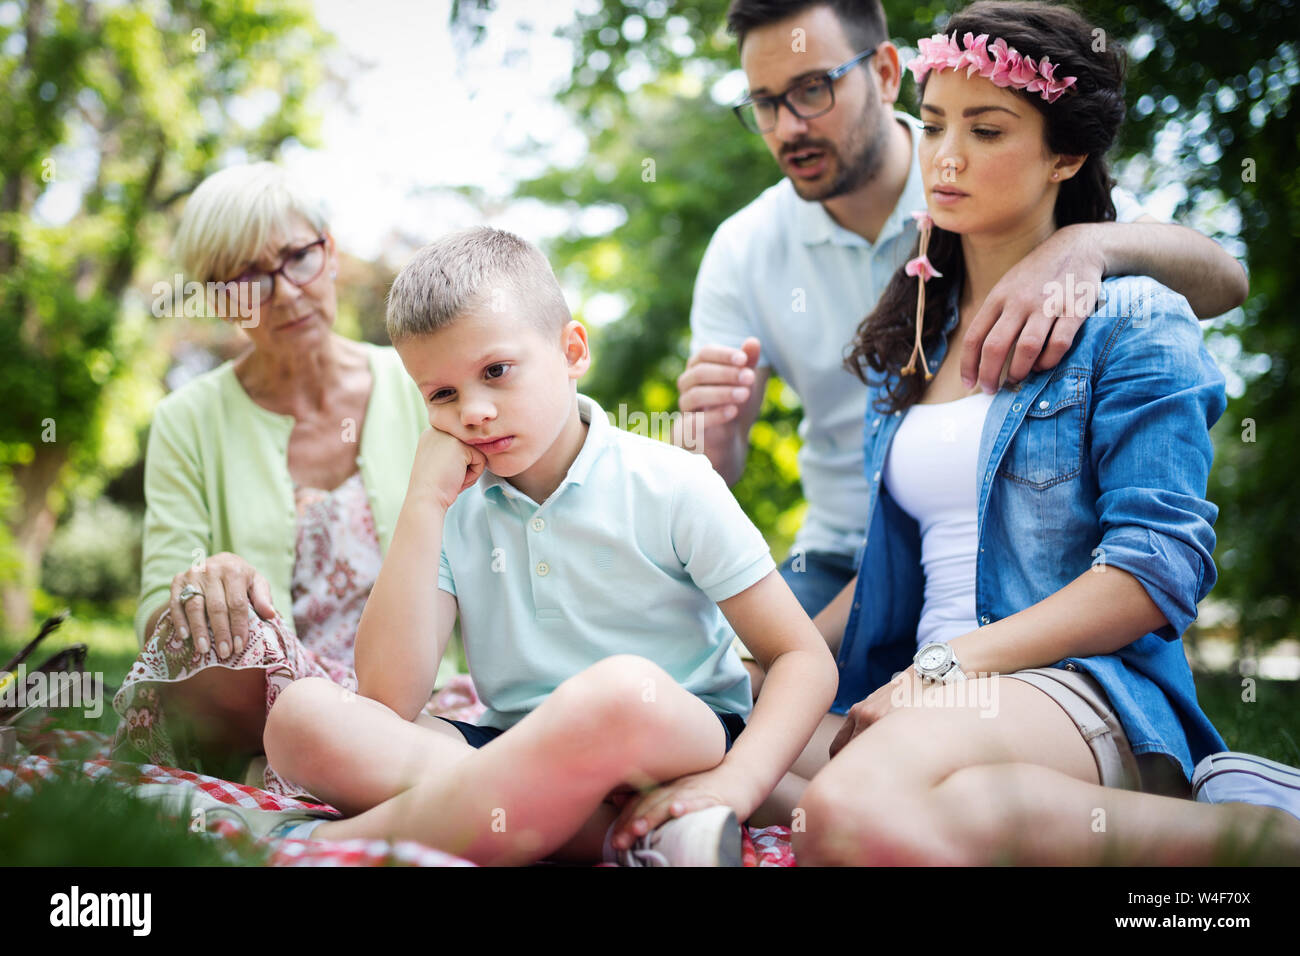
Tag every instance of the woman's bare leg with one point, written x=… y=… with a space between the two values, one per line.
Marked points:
x=1037 y=816
x=948 y=785
x=221 y=710
x=523 y=796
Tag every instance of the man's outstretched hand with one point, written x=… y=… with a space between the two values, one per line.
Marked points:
x=717 y=382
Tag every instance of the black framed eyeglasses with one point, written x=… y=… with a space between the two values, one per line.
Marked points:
x=300 y=266
x=811 y=97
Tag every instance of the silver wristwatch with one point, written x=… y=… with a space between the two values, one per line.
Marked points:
x=937 y=664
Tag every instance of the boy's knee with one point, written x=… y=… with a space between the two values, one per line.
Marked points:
x=618 y=680
x=297 y=713
x=615 y=697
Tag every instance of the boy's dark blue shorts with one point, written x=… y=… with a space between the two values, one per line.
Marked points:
x=477 y=736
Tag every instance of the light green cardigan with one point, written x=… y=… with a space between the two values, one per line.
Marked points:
x=217 y=477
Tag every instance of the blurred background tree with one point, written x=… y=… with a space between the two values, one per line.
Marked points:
x=111 y=113
x=1210 y=88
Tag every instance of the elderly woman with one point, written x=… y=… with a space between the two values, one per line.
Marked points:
x=272 y=485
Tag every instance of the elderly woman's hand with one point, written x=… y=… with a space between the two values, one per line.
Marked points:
x=228 y=585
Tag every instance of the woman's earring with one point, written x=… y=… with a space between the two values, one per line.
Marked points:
x=334 y=272
x=1054 y=176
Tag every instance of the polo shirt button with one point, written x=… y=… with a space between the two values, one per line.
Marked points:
x=876 y=476
x=1015 y=407
x=538 y=524
x=896 y=414
x=1043 y=404
x=876 y=423
x=543 y=569
x=984 y=619
x=1070 y=667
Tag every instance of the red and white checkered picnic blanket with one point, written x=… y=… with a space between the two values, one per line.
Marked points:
x=44 y=754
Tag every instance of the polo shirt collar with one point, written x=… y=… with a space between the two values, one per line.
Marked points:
x=815 y=225
x=597 y=438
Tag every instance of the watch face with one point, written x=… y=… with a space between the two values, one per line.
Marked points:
x=933 y=659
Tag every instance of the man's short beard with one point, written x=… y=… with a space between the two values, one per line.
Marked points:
x=861 y=170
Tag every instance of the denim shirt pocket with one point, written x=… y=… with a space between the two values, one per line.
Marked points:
x=1048 y=446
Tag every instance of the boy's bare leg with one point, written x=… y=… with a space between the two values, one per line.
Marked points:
x=588 y=843
x=623 y=720
x=360 y=753
x=395 y=752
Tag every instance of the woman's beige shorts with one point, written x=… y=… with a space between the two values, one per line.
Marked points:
x=1087 y=704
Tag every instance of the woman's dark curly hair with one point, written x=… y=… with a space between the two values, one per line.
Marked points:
x=1084 y=121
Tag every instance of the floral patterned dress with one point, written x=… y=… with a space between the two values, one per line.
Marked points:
x=336 y=564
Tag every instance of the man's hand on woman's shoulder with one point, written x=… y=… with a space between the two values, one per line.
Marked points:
x=1030 y=317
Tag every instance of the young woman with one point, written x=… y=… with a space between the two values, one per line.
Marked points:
x=1033 y=556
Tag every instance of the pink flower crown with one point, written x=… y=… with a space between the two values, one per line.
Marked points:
x=1005 y=67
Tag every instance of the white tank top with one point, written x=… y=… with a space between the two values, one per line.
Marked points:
x=931 y=470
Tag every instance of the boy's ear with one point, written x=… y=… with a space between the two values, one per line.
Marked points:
x=576 y=350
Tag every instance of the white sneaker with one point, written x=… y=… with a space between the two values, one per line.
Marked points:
x=709 y=837
x=1230 y=777
x=182 y=802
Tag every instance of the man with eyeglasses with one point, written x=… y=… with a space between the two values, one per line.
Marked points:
x=786 y=280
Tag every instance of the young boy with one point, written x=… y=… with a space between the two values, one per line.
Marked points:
x=592 y=570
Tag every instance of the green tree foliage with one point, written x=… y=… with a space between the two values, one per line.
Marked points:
x=1225 y=75
x=128 y=106
x=1217 y=75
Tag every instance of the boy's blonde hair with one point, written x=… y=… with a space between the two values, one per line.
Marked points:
x=234 y=213
x=469 y=268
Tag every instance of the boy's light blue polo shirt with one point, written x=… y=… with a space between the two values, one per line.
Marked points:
x=629 y=555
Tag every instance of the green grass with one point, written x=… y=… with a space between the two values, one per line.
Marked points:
x=1268 y=726
x=75 y=821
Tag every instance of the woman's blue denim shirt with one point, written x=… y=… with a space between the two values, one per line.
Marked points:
x=1100 y=462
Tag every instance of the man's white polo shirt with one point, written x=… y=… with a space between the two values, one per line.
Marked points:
x=782 y=270
x=629 y=555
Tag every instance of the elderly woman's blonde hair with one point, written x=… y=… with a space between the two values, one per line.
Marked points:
x=234 y=213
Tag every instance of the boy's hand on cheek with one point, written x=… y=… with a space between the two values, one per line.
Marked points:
x=444 y=467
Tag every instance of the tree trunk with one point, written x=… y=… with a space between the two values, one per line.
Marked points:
x=32 y=529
